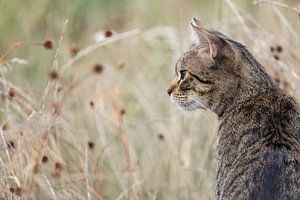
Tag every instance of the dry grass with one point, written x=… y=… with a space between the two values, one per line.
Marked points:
x=98 y=123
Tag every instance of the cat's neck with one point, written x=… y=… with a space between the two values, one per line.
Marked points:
x=252 y=82
x=256 y=84
x=232 y=104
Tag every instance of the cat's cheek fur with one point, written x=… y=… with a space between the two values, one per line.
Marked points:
x=200 y=100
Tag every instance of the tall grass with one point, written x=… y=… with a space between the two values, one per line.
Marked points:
x=84 y=111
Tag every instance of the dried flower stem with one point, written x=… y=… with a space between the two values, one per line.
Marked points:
x=238 y=15
x=279 y=4
x=16 y=45
x=86 y=167
x=54 y=65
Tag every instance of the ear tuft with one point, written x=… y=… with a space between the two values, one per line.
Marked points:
x=197 y=22
x=194 y=26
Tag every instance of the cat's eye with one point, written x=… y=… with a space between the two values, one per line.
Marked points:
x=182 y=74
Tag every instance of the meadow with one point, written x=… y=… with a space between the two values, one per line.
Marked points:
x=84 y=108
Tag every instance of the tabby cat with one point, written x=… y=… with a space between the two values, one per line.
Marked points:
x=258 y=150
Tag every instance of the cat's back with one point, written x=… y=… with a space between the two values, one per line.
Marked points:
x=262 y=137
x=274 y=174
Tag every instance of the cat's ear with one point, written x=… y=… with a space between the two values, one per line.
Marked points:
x=209 y=42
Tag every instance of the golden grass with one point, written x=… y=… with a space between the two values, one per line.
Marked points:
x=98 y=124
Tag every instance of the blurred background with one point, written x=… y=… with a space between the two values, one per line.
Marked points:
x=84 y=109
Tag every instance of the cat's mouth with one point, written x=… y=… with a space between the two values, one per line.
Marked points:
x=188 y=104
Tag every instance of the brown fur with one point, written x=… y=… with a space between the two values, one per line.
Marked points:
x=258 y=151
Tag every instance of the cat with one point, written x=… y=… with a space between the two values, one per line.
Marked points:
x=258 y=149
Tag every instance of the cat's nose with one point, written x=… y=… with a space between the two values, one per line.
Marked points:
x=169 y=90
x=172 y=87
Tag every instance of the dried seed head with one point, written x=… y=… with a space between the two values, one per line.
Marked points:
x=279 y=48
x=276 y=57
x=11 y=145
x=48 y=44
x=12 y=190
x=98 y=68
x=161 y=136
x=35 y=168
x=57 y=169
x=11 y=92
x=5 y=127
x=18 y=191
x=45 y=159
x=91 y=145
x=120 y=64
x=108 y=33
x=74 y=49
x=122 y=111
x=92 y=104
x=58 y=166
x=53 y=74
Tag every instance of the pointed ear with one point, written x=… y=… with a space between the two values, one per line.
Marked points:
x=210 y=42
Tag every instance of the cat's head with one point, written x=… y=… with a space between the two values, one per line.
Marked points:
x=211 y=72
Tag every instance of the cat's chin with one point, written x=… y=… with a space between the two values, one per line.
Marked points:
x=185 y=108
x=190 y=106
